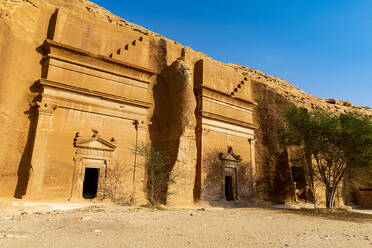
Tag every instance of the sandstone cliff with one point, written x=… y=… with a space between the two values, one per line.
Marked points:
x=25 y=24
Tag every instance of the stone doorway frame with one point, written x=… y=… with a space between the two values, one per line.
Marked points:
x=230 y=162
x=231 y=171
x=88 y=155
x=100 y=164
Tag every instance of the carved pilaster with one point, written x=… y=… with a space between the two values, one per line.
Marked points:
x=252 y=143
x=39 y=157
x=141 y=126
x=78 y=161
x=45 y=108
x=139 y=172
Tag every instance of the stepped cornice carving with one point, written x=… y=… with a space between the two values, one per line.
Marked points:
x=84 y=58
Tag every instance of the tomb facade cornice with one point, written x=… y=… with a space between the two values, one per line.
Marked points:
x=60 y=51
x=45 y=83
x=233 y=100
x=228 y=120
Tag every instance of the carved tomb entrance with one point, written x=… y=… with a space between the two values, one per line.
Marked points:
x=300 y=188
x=93 y=157
x=231 y=183
x=230 y=162
x=93 y=170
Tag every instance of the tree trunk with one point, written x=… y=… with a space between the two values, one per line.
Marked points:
x=310 y=173
x=330 y=196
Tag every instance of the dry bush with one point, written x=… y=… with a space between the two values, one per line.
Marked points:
x=114 y=187
x=157 y=165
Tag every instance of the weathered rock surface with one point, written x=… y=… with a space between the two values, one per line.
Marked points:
x=174 y=124
x=24 y=25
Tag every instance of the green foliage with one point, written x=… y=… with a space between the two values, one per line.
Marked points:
x=337 y=143
x=158 y=175
x=358 y=127
x=363 y=173
x=357 y=130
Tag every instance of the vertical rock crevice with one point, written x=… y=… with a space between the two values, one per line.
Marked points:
x=173 y=129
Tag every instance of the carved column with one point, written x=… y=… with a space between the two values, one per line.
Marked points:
x=252 y=143
x=76 y=180
x=139 y=172
x=203 y=173
x=39 y=158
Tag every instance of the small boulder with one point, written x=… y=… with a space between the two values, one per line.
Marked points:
x=347 y=103
x=331 y=101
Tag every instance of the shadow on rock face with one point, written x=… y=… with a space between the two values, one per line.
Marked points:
x=273 y=169
x=25 y=162
x=173 y=124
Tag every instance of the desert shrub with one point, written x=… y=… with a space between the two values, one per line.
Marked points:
x=114 y=187
x=157 y=165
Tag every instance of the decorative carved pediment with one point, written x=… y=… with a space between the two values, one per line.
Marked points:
x=94 y=142
x=230 y=156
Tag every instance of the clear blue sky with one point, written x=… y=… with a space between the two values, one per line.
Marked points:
x=322 y=46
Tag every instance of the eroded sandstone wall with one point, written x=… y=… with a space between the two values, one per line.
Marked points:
x=23 y=27
x=25 y=24
x=173 y=128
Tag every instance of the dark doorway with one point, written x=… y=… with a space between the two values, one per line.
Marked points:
x=298 y=175
x=229 y=191
x=90 y=185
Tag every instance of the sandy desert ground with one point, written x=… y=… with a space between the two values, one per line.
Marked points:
x=112 y=226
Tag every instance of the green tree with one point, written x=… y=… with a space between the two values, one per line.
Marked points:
x=332 y=143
